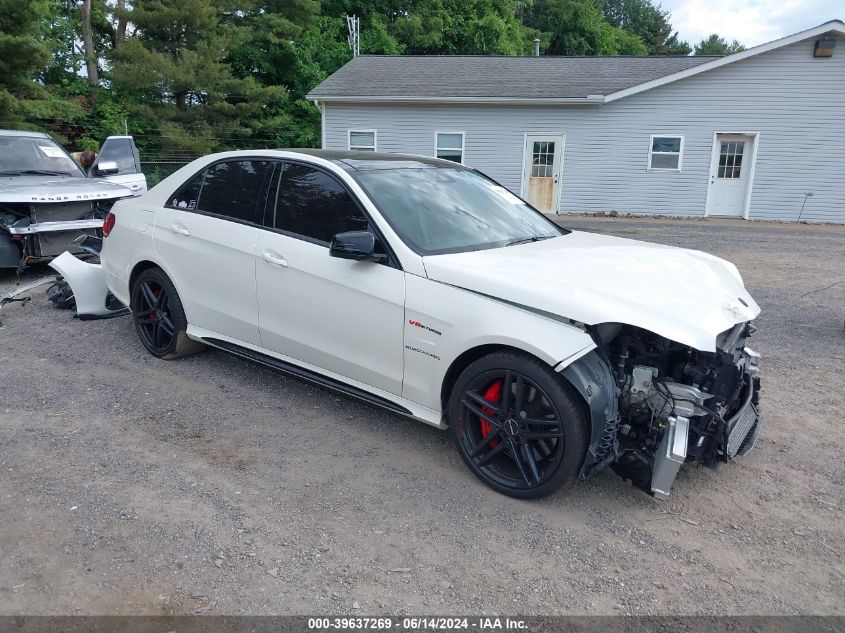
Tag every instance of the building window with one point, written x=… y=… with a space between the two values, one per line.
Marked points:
x=449 y=145
x=362 y=140
x=665 y=153
x=730 y=159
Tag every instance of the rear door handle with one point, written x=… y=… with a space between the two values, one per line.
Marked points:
x=272 y=257
x=180 y=229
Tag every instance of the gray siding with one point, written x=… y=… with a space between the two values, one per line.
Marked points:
x=794 y=101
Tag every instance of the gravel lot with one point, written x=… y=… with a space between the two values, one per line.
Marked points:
x=209 y=485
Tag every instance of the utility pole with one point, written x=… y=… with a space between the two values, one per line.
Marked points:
x=353 y=23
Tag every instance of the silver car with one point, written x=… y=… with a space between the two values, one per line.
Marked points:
x=47 y=201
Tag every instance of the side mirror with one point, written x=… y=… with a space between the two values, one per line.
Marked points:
x=357 y=245
x=106 y=168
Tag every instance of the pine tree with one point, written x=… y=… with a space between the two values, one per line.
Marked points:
x=172 y=71
x=716 y=45
x=23 y=53
x=647 y=21
x=577 y=27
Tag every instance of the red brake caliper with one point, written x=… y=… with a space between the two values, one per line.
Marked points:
x=493 y=394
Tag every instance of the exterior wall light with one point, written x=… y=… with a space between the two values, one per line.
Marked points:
x=824 y=47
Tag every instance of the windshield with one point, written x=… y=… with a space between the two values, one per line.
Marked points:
x=25 y=155
x=442 y=210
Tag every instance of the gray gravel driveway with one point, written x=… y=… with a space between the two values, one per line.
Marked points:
x=210 y=485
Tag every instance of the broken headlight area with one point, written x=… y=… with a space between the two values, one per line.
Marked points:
x=678 y=404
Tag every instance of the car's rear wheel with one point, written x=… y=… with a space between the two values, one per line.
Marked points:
x=159 y=317
x=518 y=425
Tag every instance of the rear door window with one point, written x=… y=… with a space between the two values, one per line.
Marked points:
x=187 y=196
x=315 y=205
x=235 y=189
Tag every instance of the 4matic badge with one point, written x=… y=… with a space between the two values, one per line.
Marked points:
x=422 y=351
x=424 y=327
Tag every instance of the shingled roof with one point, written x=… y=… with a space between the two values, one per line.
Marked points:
x=482 y=77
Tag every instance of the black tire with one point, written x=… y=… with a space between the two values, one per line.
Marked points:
x=159 y=317
x=532 y=443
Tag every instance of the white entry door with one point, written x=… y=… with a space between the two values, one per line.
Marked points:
x=541 y=172
x=730 y=175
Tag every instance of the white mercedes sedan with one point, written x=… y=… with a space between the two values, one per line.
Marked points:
x=424 y=287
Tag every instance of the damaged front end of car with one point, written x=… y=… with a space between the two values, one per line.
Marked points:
x=37 y=226
x=657 y=404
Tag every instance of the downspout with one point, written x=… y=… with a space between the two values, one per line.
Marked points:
x=322 y=108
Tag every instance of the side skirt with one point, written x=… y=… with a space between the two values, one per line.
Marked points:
x=308 y=375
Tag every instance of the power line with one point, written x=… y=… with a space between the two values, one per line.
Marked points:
x=218 y=136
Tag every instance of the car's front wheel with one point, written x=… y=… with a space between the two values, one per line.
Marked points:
x=159 y=317
x=518 y=425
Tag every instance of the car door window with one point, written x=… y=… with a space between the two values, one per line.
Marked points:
x=234 y=189
x=121 y=151
x=313 y=204
x=187 y=195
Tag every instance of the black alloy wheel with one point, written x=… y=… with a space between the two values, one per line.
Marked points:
x=159 y=317
x=155 y=324
x=518 y=426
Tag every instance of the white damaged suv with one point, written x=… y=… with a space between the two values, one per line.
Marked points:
x=424 y=287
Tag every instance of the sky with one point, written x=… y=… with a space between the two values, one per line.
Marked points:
x=751 y=22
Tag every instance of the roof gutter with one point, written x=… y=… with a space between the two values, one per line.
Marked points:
x=589 y=100
x=834 y=26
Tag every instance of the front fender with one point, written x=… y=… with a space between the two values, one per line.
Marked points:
x=442 y=322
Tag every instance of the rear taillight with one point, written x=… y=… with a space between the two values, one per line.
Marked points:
x=108 y=224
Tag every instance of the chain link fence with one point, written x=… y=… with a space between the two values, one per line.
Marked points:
x=156 y=171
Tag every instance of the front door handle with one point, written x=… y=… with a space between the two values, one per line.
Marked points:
x=272 y=257
x=180 y=229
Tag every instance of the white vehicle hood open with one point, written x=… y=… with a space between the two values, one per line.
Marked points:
x=684 y=295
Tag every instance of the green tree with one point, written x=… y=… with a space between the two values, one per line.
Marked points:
x=172 y=73
x=288 y=45
x=647 y=21
x=577 y=27
x=297 y=50
x=715 y=45
x=25 y=51
x=459 y=27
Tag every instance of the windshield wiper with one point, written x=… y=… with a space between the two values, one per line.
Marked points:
x=533 y=238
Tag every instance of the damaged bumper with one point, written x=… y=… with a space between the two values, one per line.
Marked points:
x=739 y=433
x=656 y=404
x=88 y=283
x=50 y=227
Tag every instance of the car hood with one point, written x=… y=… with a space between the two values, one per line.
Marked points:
x=684 y=295
x=44 y=189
